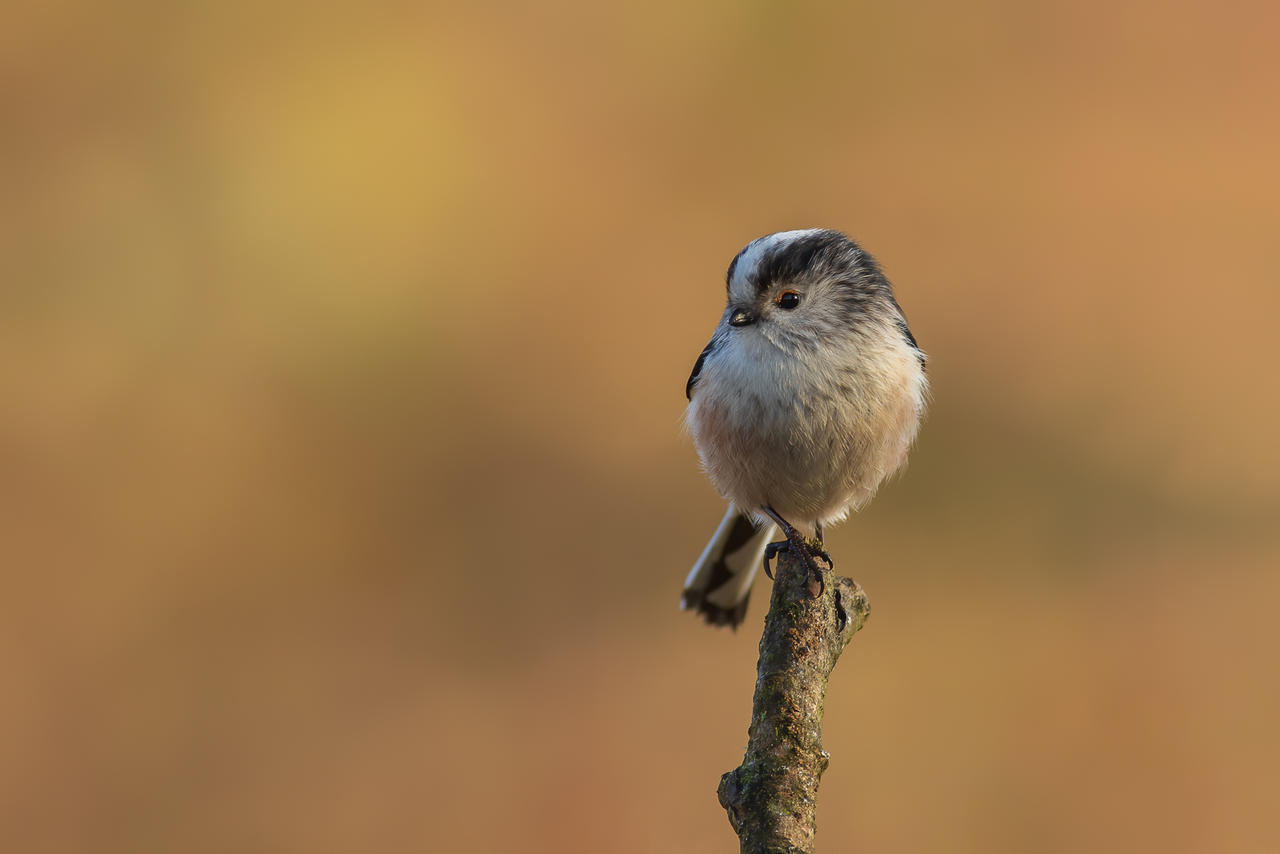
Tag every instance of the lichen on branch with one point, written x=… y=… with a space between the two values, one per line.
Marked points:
x=771 y=798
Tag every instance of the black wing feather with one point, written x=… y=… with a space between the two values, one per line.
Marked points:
x=697 y=368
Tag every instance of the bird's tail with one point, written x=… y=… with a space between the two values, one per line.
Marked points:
x=720 y=582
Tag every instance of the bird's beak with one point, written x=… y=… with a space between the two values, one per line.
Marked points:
x=741 y=317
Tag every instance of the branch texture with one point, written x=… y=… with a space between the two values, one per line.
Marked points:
x=771 y=798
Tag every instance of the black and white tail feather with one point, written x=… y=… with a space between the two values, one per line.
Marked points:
x=719 y=584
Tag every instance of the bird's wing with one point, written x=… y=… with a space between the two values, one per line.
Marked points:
x=697 y=368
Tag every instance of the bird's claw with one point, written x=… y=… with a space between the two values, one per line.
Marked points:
x=809 y=556
x=771 y=552
x=816 y=574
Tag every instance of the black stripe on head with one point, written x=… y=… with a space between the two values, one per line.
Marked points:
x=868 y=290
x=805 y=256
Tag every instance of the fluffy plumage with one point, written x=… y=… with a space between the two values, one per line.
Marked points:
x=806 y=399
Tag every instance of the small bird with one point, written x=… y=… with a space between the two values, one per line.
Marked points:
x=807 y=398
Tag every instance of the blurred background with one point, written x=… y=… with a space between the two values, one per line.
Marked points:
x=344 y=498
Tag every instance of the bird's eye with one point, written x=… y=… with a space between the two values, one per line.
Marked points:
x=788 y=300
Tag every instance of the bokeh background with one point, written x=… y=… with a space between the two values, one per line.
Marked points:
x=344 y=498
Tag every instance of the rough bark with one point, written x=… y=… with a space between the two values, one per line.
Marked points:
x=771 y=798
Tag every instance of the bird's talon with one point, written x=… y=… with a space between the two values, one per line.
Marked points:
x=817 y=575
x=808 y=552
x=771 y=552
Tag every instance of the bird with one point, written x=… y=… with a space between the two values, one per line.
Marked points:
x=807 y=398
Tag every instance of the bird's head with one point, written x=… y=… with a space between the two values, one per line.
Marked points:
x=797 y=287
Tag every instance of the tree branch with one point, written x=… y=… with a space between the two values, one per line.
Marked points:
x=771 y=798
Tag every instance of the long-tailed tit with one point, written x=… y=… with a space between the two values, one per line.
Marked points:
x=807 y=398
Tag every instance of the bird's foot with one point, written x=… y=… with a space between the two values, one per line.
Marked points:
x=770 y=552
x=809 y=555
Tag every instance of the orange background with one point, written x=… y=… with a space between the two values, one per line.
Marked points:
x=344 y=502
